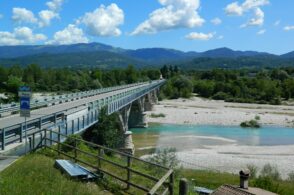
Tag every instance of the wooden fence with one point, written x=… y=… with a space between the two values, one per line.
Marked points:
x=125 y=168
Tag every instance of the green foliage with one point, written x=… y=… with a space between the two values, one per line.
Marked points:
x=107 y=132
x=36 y=174
x=253 y=170
x=71 y=141
x=291 y=176
x=270 y=171
x=166 y=157
x=250 y=124
x=267 y=183
x=160 y=115
x=178 y=86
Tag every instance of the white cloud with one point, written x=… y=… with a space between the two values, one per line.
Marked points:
x=216 y=21
x=22 y=15
x=45 y=17
x=1 y=16
x=261 y=32
x=247 y=6
x=20 y=35
x=70 y=35
x=234 y=9
x=104 y=21
x=55 y=5
x=258 y=18
x=277 y=23
x=174 y=14
x=200 y=36
x=288 y=28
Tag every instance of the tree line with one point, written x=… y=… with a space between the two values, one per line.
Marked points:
x=265 y=86
x=68 y=80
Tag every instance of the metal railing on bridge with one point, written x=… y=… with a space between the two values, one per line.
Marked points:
x=15 y=133
x=58 y=99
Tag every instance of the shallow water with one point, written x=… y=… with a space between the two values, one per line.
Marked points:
x=195 y=135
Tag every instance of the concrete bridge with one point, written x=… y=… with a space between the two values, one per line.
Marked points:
x=74 y=114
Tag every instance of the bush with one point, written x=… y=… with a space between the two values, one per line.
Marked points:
x=291 y=176
x=71 y=142
x=253 y=170
x=220 y=96
x=166 y=157
x=267 y=184
x=153 y=115
x=270 y=171
x=250 y=124
x=257 y=117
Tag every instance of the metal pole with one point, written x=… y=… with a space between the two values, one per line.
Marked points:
x=26 y=142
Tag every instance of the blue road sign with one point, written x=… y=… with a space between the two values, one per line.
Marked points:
x=24 y=103
x=25 y=94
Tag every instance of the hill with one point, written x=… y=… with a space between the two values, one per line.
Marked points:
x=106 y=56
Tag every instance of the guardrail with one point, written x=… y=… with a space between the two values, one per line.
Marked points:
x=15 y=133
x=121 y=166
x=52 y=100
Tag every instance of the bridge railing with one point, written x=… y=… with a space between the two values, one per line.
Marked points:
x=15 y=132
x=57 y=99
x=135 y=173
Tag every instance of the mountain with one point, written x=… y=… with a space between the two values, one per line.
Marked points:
x=288 y=55
x=106 y=56
x=101 y=59
x=28 y=50
x=229 y=53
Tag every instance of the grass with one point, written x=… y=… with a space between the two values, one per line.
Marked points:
x=35 y=174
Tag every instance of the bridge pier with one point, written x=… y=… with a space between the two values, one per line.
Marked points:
x=138 y=117
x=124 y=115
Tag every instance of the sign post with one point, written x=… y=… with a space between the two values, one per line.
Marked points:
x=25 y=111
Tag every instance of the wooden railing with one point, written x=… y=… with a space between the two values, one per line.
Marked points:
x=121 y=166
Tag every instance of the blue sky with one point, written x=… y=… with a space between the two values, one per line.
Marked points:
x=188 y=25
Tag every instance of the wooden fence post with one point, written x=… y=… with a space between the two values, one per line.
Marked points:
x=128 y=171
x=45 y=137
x=171 y=184
x=183 y=189
x=76 y=154
x=99 y=155
x=58 y=144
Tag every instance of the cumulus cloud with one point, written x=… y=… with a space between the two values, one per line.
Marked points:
x=55 y=5
x=45 y=17
x=200 y=36
x=22 y=15
x=288 y=28
x=237 y=9
x=261 y=32
x=70 y=35
x=104 y=21
x=216 y=21
x=173 y=14
x=20 y=35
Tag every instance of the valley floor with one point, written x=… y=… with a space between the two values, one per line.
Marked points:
x=215 y=112
x=230 y=157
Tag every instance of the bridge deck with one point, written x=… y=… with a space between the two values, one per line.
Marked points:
x=36 y=114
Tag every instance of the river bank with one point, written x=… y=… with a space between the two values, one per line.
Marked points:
x=201 y=111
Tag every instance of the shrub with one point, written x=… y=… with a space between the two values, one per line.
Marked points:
x=257 y=117
x=253 y=170
x=220 y=96
x=153 y=115
x=251 y=124
x=270 y=171
x=267 y=184
x=291 y=176
x=71 y=142
x=166 y=157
